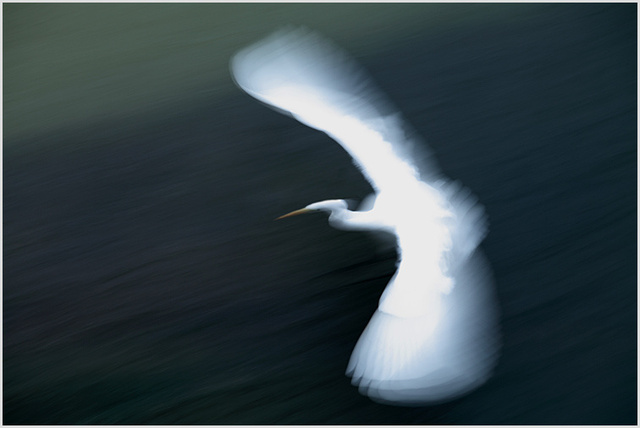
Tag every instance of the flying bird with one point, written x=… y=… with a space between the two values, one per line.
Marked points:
x=434 y=335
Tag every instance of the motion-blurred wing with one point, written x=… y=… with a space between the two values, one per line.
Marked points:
x=301 y=73
x=434 y=335
x=430 y=359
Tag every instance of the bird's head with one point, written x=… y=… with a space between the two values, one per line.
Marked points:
x=331 y=206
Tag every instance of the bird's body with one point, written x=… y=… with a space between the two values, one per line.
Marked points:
x=433 y=336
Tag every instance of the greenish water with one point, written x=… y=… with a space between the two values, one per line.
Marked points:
x=145 y=281
x=72 y=64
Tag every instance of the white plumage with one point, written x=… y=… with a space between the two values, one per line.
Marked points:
x=434 y=335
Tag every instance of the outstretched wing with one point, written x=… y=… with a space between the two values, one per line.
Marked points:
x=427 y=359
x=423 y=344
x=303 y=74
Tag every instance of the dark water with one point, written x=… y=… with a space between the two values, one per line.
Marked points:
x=146 y=282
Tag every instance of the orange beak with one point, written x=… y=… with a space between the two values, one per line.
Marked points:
x=296 y=212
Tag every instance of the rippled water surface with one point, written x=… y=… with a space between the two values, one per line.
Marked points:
x=145 y=280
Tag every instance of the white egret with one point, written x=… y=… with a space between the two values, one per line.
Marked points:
x=434 y=335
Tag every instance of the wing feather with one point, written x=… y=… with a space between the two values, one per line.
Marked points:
x=301 y=73
x=429 y=340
